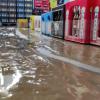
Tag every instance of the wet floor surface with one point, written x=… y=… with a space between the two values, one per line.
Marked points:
x=48 y=69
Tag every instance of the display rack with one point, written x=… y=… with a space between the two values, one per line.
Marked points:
x=0 y=12
x=20 y=9
x=28 y=8
x=11 y=10
x=8 y=12
x=24 y=8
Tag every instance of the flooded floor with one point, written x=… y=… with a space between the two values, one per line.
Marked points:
x=48 y=69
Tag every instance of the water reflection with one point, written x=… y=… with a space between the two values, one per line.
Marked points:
x=9 y=77
x=31 y=74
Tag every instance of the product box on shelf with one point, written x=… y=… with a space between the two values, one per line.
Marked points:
x=46 y=9
x=60 y=2
x=78 y=19
x=32 y=22
x=46 y=23
x=37 y=3
x=45 y=2
x=45 y=5
x=43 y=23
x=37 y=23
x=58 y=14
x=95 y=27
x=49 y=20
x=38 y=6
x=22 y=23
x=53 y=3
x=37 y=11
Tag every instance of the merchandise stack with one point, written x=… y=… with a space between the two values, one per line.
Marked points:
x=78 y=19
x=73 y=20
x=41 y=6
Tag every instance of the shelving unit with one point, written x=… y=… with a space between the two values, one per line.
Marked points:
x=28 y=8
x=0 y=12
x=20 y=9
x=11 y=10
x=8 y=12
x=24 y=8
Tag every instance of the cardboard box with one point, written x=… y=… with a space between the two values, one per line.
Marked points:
x=32 y=22
x=95 y=23
x=22 y=23
x=53 y=3
x=37 y=23
x=78 y=19
x=57 y=29
x=43 y=22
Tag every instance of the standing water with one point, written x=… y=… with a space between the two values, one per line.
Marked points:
x=37 y=72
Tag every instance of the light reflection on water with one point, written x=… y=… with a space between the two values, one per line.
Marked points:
x=37 y=76
x=8 y=81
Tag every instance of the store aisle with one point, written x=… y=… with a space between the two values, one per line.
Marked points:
x=48 y=68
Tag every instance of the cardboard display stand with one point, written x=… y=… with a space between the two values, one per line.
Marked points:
x=78 y=19
x=95 y=27
x=58 y=22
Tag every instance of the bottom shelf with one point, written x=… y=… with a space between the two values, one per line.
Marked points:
x=9 y=24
